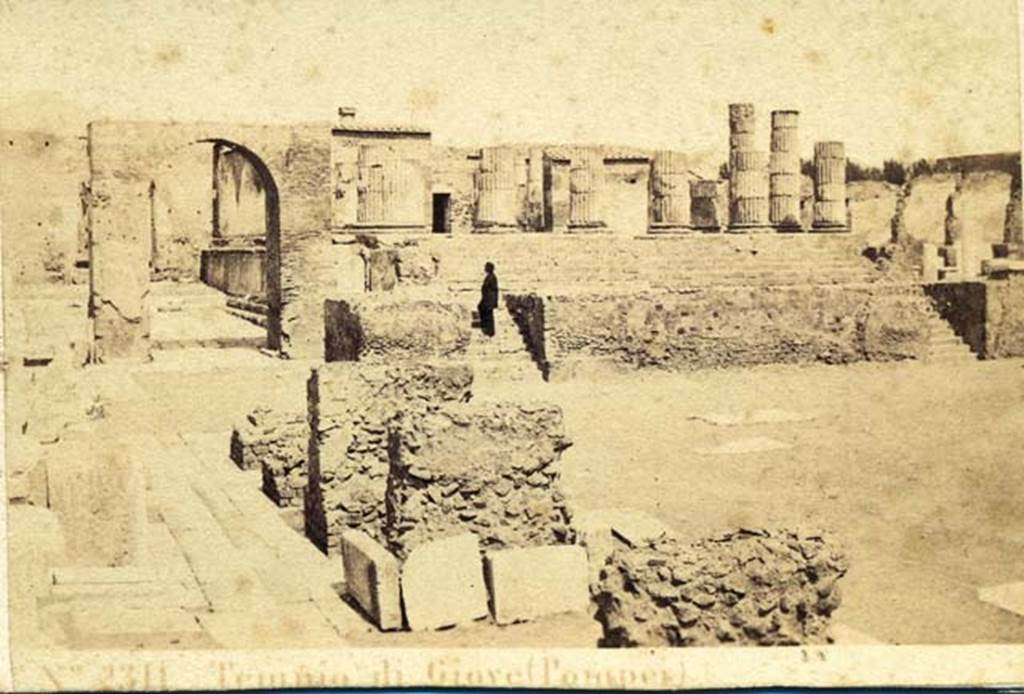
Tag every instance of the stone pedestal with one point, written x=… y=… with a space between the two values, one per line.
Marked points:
x=829 y=187
x=707 y=211
x=586 y=181
x=497 y=196
x=670 y=193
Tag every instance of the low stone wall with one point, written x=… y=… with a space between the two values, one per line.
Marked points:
x=527 y=311
x=404 y=265
x=1004 y=318
x=380 y=327
x=745 y=588
x=988 y=315
x=276 y=443
x=490 y=469
x=349 y=407
x=728 y=326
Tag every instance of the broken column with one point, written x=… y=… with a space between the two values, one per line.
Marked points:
x=748 y=172
x=706 y=209
x=670 y=189
x=586 y=181
x=829 y=186
x=784 y=202
x=497 y=195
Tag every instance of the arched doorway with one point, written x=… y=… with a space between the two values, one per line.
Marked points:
x=244 y=256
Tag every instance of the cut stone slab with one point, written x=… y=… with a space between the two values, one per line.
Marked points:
x=443 y=583
x=601 y=531
x=297 y=626
x=843 y=635
x=763 y=416
x=531 y=582
x=757 y=444
x=1007 y=596
x=115 y=626
x=98 y=492
x=372 y=579
x=103 y=575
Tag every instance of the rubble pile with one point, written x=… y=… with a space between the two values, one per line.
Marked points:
x=750 y=587
x=275 y=442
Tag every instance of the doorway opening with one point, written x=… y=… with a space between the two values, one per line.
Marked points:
x=442 y=213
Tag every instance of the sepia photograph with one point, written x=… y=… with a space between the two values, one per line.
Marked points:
x=578 y=345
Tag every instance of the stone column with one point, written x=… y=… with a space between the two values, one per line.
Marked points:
x=497 y=196
x=670 y=193
x=706 y=211
x=829 y=186
x=784 y=167
x=586 y=180
x=748 y=171
x=535 y=190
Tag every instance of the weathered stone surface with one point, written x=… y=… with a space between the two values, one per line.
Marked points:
x=443 y=583
x=372 y=578
x=98 y=493
x=532 y=582
x=751 y=587
x=349 y=407
x=490 y=469
x=274 y=441
x=379 y=327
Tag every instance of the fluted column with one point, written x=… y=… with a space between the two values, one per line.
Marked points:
x=390 y=189
x=497 y=195
x=829 y=186
x=586 y=181
x=748 y=171
x=784 y=169
x=670 y=193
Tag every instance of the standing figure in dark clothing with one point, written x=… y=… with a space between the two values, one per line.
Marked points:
x=488 y=300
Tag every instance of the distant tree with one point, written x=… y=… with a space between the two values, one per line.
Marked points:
x=807 y=167
x=860 y=172
x=723 y=171
x=921 y=167
x=894 y=172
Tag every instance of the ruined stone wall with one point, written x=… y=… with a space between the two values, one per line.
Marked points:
x=489 y=469
x=348 y=408
x=453 y=170
x=41 y=179
x=276 y=442
x=735 y=326
x=963 y=306
x=1004 y=318
x=751 y=587
x=627 y=196
x=124 y=159
x=383 y=328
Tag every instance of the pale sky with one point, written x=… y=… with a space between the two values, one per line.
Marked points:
x=895 y=78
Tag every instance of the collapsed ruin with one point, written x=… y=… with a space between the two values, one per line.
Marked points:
x=354 y=251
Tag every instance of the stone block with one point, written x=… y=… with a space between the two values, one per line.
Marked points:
x=527 y=583
x=372 y=579
x=443 y=583
x=98 y=492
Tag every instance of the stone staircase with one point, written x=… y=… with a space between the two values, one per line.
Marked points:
x=191 y=314
x=503 y=357
x=944 y=345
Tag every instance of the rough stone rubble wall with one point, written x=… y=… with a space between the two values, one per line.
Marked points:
x=1004 y=318
x=380 y=327
x=490 y=469
x=349 y=407
x=731 y=326
x=746 y=588
x=275 y=442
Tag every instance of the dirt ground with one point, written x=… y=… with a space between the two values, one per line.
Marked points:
x=915 y=468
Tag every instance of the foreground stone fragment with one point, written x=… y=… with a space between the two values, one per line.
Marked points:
x=443 y=583
x=372 y=579
x=98 y=493
x=751 y=587
x=533 y=582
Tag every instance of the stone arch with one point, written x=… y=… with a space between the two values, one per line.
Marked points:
x=272 y=216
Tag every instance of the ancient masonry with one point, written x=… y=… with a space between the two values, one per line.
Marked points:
x=784 y=163
x=829 y=185
x=670 y=192
x=748 y=171
x=586 y=183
